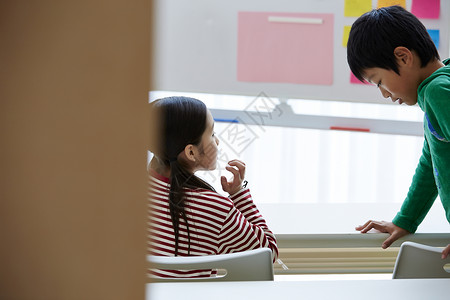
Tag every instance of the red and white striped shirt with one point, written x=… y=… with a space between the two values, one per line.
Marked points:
x=217 y=225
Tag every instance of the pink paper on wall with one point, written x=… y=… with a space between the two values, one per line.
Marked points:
x=355 y=80
x=426 y=9
x=295 y=48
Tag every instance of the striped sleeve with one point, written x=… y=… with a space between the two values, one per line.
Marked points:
x=217 y=224
x=245 y=228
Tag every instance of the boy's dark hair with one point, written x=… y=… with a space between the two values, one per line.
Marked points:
x=374 y=36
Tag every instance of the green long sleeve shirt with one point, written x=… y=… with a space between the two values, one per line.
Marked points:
x=432 y=176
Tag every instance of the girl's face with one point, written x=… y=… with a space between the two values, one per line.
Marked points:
x=207 y=154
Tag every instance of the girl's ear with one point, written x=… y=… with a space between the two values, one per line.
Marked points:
x=189 y=152
x=403 y=56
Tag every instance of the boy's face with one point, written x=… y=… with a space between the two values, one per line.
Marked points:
x=401 y=88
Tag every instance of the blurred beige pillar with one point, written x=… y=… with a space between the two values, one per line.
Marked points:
x=74 y=128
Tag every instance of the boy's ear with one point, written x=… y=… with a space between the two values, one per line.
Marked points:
x=189 y=152
x=403 y=56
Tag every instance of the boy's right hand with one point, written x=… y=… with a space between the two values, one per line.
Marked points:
x=394 y=231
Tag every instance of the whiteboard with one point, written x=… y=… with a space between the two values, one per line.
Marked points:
x=195 y=48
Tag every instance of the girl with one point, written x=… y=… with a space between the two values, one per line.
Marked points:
x=188 y=217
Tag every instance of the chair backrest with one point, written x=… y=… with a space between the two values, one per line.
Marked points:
x=420 y=261
x=251 y=265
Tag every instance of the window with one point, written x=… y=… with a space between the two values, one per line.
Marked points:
x=316 y=180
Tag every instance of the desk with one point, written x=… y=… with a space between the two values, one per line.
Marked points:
x=411 y=289
x=356 y=240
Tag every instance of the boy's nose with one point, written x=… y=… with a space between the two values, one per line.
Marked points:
x=385 y=93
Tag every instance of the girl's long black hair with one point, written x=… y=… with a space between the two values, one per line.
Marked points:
x=180 y=121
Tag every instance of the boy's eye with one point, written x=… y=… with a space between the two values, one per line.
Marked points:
x=378 y=84
x=213 y=134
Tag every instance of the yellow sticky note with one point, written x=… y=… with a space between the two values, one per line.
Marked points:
x=345 y=35
x=383 y=3
x=355 y=8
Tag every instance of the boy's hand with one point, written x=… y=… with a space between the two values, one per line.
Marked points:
x=237 y=168
x=446 y=252
x=394 y=231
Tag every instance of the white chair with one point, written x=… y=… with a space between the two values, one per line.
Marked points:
x=420 y=261
x=251 y=265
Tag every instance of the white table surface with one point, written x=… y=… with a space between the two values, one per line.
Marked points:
x=410 y=289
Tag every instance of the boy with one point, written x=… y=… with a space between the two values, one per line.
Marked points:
x=390 y=47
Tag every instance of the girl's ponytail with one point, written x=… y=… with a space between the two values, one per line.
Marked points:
x=182 y=122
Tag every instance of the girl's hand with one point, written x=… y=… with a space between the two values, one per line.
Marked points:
x=237 y=168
